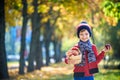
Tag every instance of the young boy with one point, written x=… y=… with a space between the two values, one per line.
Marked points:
x=89 y=59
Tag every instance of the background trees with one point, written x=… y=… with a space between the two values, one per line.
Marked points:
x=23 y=36
x=54 y=22
x=112 y=14
x=3 y=60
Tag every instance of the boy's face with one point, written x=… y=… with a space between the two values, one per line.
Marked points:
x=84 y=35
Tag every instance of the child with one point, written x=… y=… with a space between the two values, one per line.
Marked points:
x=89 y=59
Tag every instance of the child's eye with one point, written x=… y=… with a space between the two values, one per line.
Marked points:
x=81 y=34
x=86 y=34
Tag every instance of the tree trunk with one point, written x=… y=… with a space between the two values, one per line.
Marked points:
x=59 y=50
x=3 y=59
x=31 y=54
x=47 y=39
x=38 y=55
x=23 y=36
x=55 y=50
x=47 y=43
x=50 y=29
x=35 y=46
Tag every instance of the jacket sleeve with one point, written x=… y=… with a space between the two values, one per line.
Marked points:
x=66 y=60
x=99 y=56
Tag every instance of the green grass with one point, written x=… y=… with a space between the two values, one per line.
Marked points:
x=62 y=77
x=108 y=75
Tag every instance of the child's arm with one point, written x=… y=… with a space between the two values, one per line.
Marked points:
x=101 y=55
x=68 y=54
x=66 y=60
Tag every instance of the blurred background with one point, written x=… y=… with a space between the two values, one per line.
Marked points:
x=39 y=32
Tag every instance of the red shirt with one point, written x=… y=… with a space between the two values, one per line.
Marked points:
x=86 y=68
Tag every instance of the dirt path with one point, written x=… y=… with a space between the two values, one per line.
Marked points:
x=45 y=73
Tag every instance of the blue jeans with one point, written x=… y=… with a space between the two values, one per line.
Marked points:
x=84 y=78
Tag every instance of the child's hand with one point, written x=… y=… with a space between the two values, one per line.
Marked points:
x=69 y=53
x=107 y=48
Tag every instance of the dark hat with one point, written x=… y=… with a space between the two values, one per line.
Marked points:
x=83 y=25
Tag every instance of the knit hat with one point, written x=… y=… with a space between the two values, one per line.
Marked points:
x=83 y=25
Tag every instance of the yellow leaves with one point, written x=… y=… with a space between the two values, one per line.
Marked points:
x=63 y=11
x=43 y=8
x=29 y=1
x=60 y=26
x=118 y=33
x=17 y=14
x=111 y=20
x=30 y=9
x=57 y=70
x=56 y=8
x=45 y=19
x=112 y=12
x=12 y=12
x=13 y=17
x=54 y=70
x=60 y=71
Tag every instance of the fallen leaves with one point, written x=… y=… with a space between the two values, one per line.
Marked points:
x=54 y=70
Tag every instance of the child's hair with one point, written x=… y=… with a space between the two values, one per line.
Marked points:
x=82 y=30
